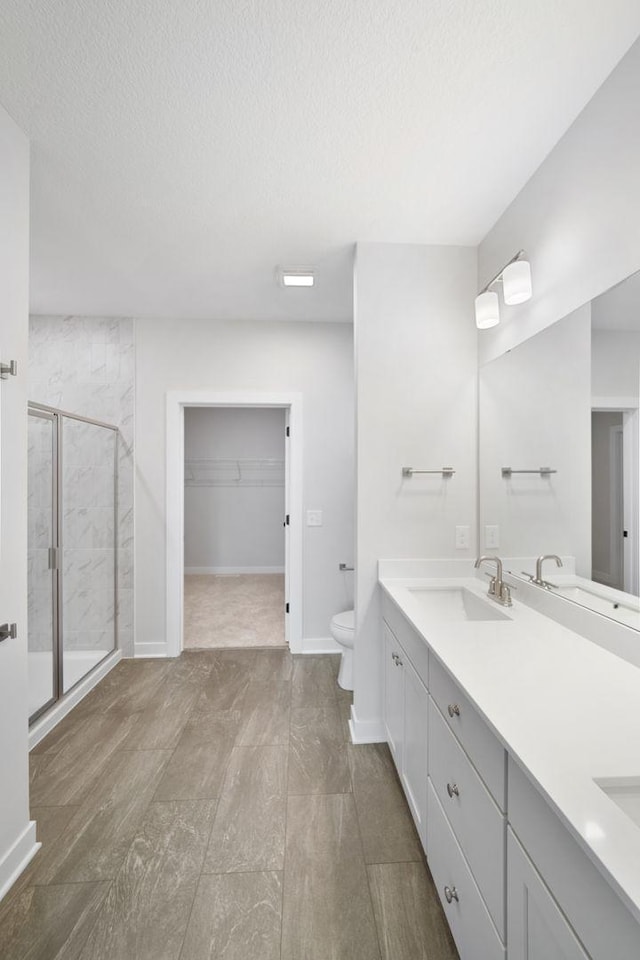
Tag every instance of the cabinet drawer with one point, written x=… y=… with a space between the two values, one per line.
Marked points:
x=478 y=824
x=409 y=639
x=463 y=719
x=598 y=916
x=472 y=928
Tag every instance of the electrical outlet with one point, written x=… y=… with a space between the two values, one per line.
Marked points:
x=462 y=538
x=314 y=518
x=492 y=536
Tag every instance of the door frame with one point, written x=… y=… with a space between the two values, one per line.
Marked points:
x=176 y=401
x=629 y=407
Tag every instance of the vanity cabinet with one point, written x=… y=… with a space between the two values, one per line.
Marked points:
x=464 y=907
x=459 y=817
x=414 y=765
x=406 y=716
x=538 y=929
x=514 y=881
x=473 y=815
x=393 y=695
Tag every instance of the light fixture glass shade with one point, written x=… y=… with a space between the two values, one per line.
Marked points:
x=487 y=310
x=516 y=282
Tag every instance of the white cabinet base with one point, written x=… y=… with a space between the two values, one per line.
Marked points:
x=537 y=928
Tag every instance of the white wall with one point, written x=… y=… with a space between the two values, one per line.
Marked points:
x=232 y=526
x=416 y=376
x=535 y=410
x=315 y=359
x=17 y=834
x=577 y=217
x=615 y=362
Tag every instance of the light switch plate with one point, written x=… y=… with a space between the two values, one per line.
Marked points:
x=492 y=536
x=462 y=537
x=314 y=518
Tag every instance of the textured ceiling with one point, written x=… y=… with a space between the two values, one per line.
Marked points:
x=183 y=149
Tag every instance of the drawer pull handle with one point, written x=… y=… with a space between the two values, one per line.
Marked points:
x=452 y=790
x=453 y=710
x=451 y=894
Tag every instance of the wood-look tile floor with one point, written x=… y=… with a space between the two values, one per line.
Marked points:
x=212 y=808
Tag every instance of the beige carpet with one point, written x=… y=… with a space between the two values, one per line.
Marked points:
x=233 y=611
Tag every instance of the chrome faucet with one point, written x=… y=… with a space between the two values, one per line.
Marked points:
x=498 y=589
x=538 y=579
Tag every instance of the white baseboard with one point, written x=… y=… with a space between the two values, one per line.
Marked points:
x=366 y=731
x=158 y=649
x=52 y=717
x=18 y=857
x=320 y=645
x=232 y=571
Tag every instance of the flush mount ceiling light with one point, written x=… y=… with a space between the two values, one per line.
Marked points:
x=515 y=277
x=296 y=276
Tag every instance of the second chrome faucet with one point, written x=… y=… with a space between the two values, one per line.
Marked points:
x=538 y=579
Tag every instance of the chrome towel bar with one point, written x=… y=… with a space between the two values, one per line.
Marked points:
x=543 y=471
x=443 y=471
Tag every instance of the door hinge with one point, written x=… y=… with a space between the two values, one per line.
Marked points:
x=8 y=369
x=286 y=608
x=53 y=558
x=286 y=521
x=8 y=631
x=288 y=432
x=625 y=533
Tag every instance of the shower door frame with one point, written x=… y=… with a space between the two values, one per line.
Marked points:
x=58 y=416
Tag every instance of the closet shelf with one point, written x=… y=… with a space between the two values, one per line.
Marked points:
x=234 y=473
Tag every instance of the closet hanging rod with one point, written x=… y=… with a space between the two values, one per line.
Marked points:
x=542 y=471
x=443 y=471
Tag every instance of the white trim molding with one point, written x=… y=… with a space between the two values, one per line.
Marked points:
x=177 y=400
x=151 y=650
x=318 y=645
x=366 y=731
x=18 y=857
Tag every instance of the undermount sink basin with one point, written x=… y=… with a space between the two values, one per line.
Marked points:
x=455 y=605
x=625 y=793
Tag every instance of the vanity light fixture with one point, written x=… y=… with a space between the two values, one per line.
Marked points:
x=296 y=276
x=515 y=277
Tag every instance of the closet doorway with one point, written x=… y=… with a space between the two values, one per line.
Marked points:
x=234 y=527
x=198 y=470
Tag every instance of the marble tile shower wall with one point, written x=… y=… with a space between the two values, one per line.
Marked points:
x=86 y=365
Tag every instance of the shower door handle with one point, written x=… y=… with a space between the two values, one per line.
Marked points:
x=8 y=631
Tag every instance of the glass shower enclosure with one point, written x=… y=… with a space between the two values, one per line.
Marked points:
x=72 y=551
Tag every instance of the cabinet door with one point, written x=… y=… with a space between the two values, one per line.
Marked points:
x=393 y=696
x=414 y=761
x=537 y=928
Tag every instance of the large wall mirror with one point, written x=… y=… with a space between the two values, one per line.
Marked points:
x=560 y=451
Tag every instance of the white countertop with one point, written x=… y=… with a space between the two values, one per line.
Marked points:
x=566 y=709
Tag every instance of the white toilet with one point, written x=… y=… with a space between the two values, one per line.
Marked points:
x=342 y=630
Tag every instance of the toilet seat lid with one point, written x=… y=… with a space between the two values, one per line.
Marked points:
x=346 y=620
